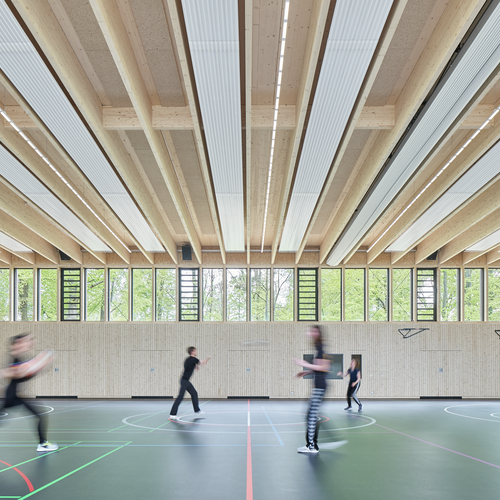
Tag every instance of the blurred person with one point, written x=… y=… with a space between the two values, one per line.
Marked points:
x=354 y=383
x=190 y=364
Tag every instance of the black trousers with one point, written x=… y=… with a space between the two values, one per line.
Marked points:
x=186 y=385
x=12 y=400
x=352 y=393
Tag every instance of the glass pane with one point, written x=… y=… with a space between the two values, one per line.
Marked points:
x=24 y=290
x=401 y=295
x=473 y=283
x=48 y=294
x=354 y=294
x=449 y=295
x=283 y=294
x=260 y=294
x=426 y=294
x=165 y=294
x=378 y=300
x=331 y=294
x=213 y=296
x=118 y=294
x=494 y=294
x=142 y=294
x=4 y=294
x=71 y=294
x=236 y=294
x=95 y=295
x=189 y=302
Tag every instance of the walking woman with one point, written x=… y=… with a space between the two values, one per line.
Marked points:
x=319 y=367
x=354 y=383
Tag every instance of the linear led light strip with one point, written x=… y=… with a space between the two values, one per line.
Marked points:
x=46 y=160
x=438 y=174
x=275 y=122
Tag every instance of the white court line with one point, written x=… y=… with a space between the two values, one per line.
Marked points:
x=467 y=416
x=28 y=416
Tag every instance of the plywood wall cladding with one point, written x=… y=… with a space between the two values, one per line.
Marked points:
x=113 y=360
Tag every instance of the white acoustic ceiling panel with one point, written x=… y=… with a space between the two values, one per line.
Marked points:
x=353 y=37
x=486 y=244
x=13 y=245
x=213 y=35
x=32 y=188
x=477 y=60
x=26 y=70
x=472 y=181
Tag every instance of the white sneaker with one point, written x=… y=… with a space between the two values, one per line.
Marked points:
x=199 y=414
x=175 y=418
x=46 y=446
x=307 y=449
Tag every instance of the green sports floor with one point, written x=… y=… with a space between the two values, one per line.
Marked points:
x=247 y=449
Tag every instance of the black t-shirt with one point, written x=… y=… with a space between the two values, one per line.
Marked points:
x=189 y=365
x=319 y=377
x=353 y=374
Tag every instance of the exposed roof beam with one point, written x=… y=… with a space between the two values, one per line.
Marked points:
x=54 y=183
x=471 y=235
x=317 y=25
x=27 y=234
x=463 y=220
x=178 y=42
x=5 y=256
x=493 y=255
x=45 y=28
x=482 y=143
x=119 y=44
x=248 y=117
x=470 y=256
x=377 y=60
x=450 y=30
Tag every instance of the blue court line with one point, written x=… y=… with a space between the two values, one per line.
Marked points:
x=274 y=429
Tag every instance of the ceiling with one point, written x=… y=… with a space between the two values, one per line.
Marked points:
x=133 y=127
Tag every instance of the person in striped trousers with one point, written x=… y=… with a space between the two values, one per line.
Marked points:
x=320 y=367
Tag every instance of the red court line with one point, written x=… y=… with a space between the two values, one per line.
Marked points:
x=249 y=459
x=27 y=481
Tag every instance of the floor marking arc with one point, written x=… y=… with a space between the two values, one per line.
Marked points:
x=28 y=416
x=467 y=416
x=26 y=480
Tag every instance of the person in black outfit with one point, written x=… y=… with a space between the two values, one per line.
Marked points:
x=319 y=367
x=354 y=383
x=190 y=363
x=19 y=371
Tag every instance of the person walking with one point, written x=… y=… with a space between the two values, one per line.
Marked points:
x=354 y=383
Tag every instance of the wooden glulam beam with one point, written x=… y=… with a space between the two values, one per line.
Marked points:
x=373 y=70
x=48 y=33
x=176 y=33
x=493 y=255
x=113 y=29
x=25 y=234
x=477 y=148
x=448 y=33
x=5 y=256
x=56 y=185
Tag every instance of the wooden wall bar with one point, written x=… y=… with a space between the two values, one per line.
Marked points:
x=120 y=360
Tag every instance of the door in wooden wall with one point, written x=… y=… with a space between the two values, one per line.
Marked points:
x=248 y=373
x=441 y=373
x=151 y=374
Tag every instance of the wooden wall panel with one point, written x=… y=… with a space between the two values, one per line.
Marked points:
x=111 y=360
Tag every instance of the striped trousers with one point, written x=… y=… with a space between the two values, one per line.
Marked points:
x=312 y=417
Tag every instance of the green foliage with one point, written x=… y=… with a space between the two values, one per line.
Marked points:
x=331 y=294
x=473 y=283
x=378 y=294
x=354 y=294
x=236 y=294
x=48 y=294
x=4 y=294
x=213 y=294
x=118 y=294
x=142 y=294
x=95 y=295
x=494 y=294
x=24 y=281
x=449 y=295
x=283 y=295
x=308 y=294
x=165 y=294
x=401 y=294
x=260 y=294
